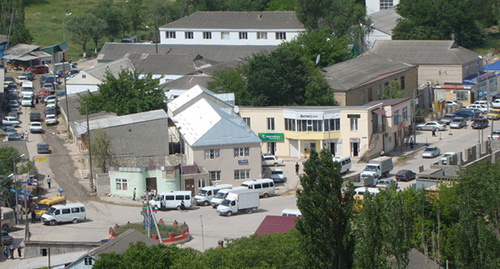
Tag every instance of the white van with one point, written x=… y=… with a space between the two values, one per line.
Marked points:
x=172 y=200
x=64 y=213
x=362 y=190
x=8 y=220
x=291 y=213
x=265 y=186
x=221 y=195
x=206 y=194
x=345 y=163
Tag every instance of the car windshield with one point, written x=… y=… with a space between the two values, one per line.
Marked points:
x=276 y=172
x=220 y=195
x=41 y=207
x=429 y=149
x=225 y=202
x=50 y=211
x=371 y=168
x=202 y=193
x=457 y=120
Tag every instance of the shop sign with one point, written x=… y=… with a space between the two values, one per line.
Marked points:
x=272 y=137
x=354 y=139
x=243 y=161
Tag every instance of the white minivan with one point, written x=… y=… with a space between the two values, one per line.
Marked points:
x=265 y=186
x=64 y=213
x=221 y=195
x=345 y=163
x=172 y=200
x=206 y=194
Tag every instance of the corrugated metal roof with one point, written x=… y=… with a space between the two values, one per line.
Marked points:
x=385 y=20
x=259 y=20
x=113 y=51
x=114 y=67
x=388 y=102
x=422 y=52
x=352 y=73
x=21 y=49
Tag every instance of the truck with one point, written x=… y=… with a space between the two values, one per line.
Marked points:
x=239 y=200
x=206 y=194
x=375 y=169
x=222 y=194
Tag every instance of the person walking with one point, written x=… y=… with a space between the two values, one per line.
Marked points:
x=133 y=193
x=411 y=142
x=60 y=192
x=11 y=248
x=49 y=180
x=297 y=168
x=33 y=216
x=434 y=132
x=19 y=248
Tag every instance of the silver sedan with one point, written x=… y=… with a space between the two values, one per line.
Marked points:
x=431 y=152
x=431 y=125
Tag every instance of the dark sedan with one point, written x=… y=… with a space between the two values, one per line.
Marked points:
x=6 y=238
x=35 y=116
x=43 y=148
x=405 y=175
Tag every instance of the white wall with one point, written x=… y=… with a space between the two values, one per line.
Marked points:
x=373 y=6
x=376 y=35
x=233 y=37
x=72 y=89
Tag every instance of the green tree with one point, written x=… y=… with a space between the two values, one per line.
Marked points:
x=440 y=19
x=326 y=227
x=126 y=94
x=230 y=80
x=113 y=13
x=13 y=10
x=81 y=28
x=102 y=149
x=281 y=5
x=9 y=155
x=369 y=251
x=136 y=13
x=393 y=91
x=246 y=5
x=97 y=31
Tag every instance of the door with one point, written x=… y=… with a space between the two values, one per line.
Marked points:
x=332 y=148
x=151 y=183
x=354 y=149
x=294 y=148
x=189 y=185
x=271 y=148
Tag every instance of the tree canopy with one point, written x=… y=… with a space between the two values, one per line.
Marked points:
x=127 y=94
x=14 y=10
x=444 y=19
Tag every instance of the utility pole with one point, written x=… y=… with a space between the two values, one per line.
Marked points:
x=90 y=150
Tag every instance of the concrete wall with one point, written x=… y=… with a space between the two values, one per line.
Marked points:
x=362 y=135
x=439 y=74
x=34 y=248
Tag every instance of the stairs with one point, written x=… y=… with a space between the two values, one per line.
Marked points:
x=372 y=145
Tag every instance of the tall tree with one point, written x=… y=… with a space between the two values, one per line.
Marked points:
x=81 y=28
x=114 y=14
x=126 y=94
x=97 y=31
x=135 y=12
x=326 y=226
x=281 y=5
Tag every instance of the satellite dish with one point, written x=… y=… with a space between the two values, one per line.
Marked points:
x=236 y=109
x=317 y=59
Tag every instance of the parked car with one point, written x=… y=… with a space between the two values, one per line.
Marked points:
x=36 y=127
x=48 y=98
x=13 y=114
x=6 y=238
x=27 y=101
x=16 y=108
x=405 y=175
x=51 y=120
x=50 y=111
x=431 y=152
x=270 y=160
x=43 y=93
x=11 y=120
x=494 y=114
x=431 y=125
x=9 y=79
x=451 y=103
x=277 y=175
x=14 y=137
x=496 y=135
x=35 y=116
x=480 y=123
x=386 y=183
x=43 y=148
x=458 y=122
x=485 y=103
x=38 y=69
x=446 y=119
x=496 y=103
x=446 y=155
x=29 y=75
x=9 y=130
x=21 y=79
x=467 y=113
x=483 y=108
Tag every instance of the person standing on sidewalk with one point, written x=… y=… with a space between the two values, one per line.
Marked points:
x=411 y=142
x=11 y=248
x=133 y=193
x=19 y=248
x=49 y=180
x=297 y=167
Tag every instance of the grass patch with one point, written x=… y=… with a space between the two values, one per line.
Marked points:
x=164 y=229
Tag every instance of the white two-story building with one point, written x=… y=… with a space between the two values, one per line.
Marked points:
x=259 y=28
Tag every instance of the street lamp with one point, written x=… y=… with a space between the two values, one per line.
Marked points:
x=15 y=185
x=64 y=34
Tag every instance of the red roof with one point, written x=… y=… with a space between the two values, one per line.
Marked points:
x=276 y=224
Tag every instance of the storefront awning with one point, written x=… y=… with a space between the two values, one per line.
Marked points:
x=379 y=111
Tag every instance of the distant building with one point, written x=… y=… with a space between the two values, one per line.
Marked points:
x=373 y=6
x=255 y=28
x=383 y=22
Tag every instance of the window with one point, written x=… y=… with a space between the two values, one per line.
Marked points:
x=462 y=95
x=121 y=184
x=212 y=153
x=242 y=174
x=280 y=35
x=241 y=152
x=169 y=197
x=247 y=121
x=405 y=113
x=402 y=82
x=270 y=124
x=224 y=35
x=386 y=4
x=243 y=35
x=188 y=35
x=332 y=125
x=396 y=117
x=66 y=211
x=379 y=92
x=88 y=261
x=362 y=97
x=170 y=34
x=214 y=175
x=354 y=124
x=261 y=35
x=201 y=183
x=290 y=124
x=207 y=35
x=75 y=210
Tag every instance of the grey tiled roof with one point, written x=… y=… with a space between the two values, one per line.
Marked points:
x=168 y=63
x=255 y=20
x=388 y=102
x=187 y=82
x=113 y=51
x=424 y=52
x=355 y=72
x=385 y=20
x=114 y=67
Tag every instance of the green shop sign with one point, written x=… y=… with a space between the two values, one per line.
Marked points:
x=272 y=137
